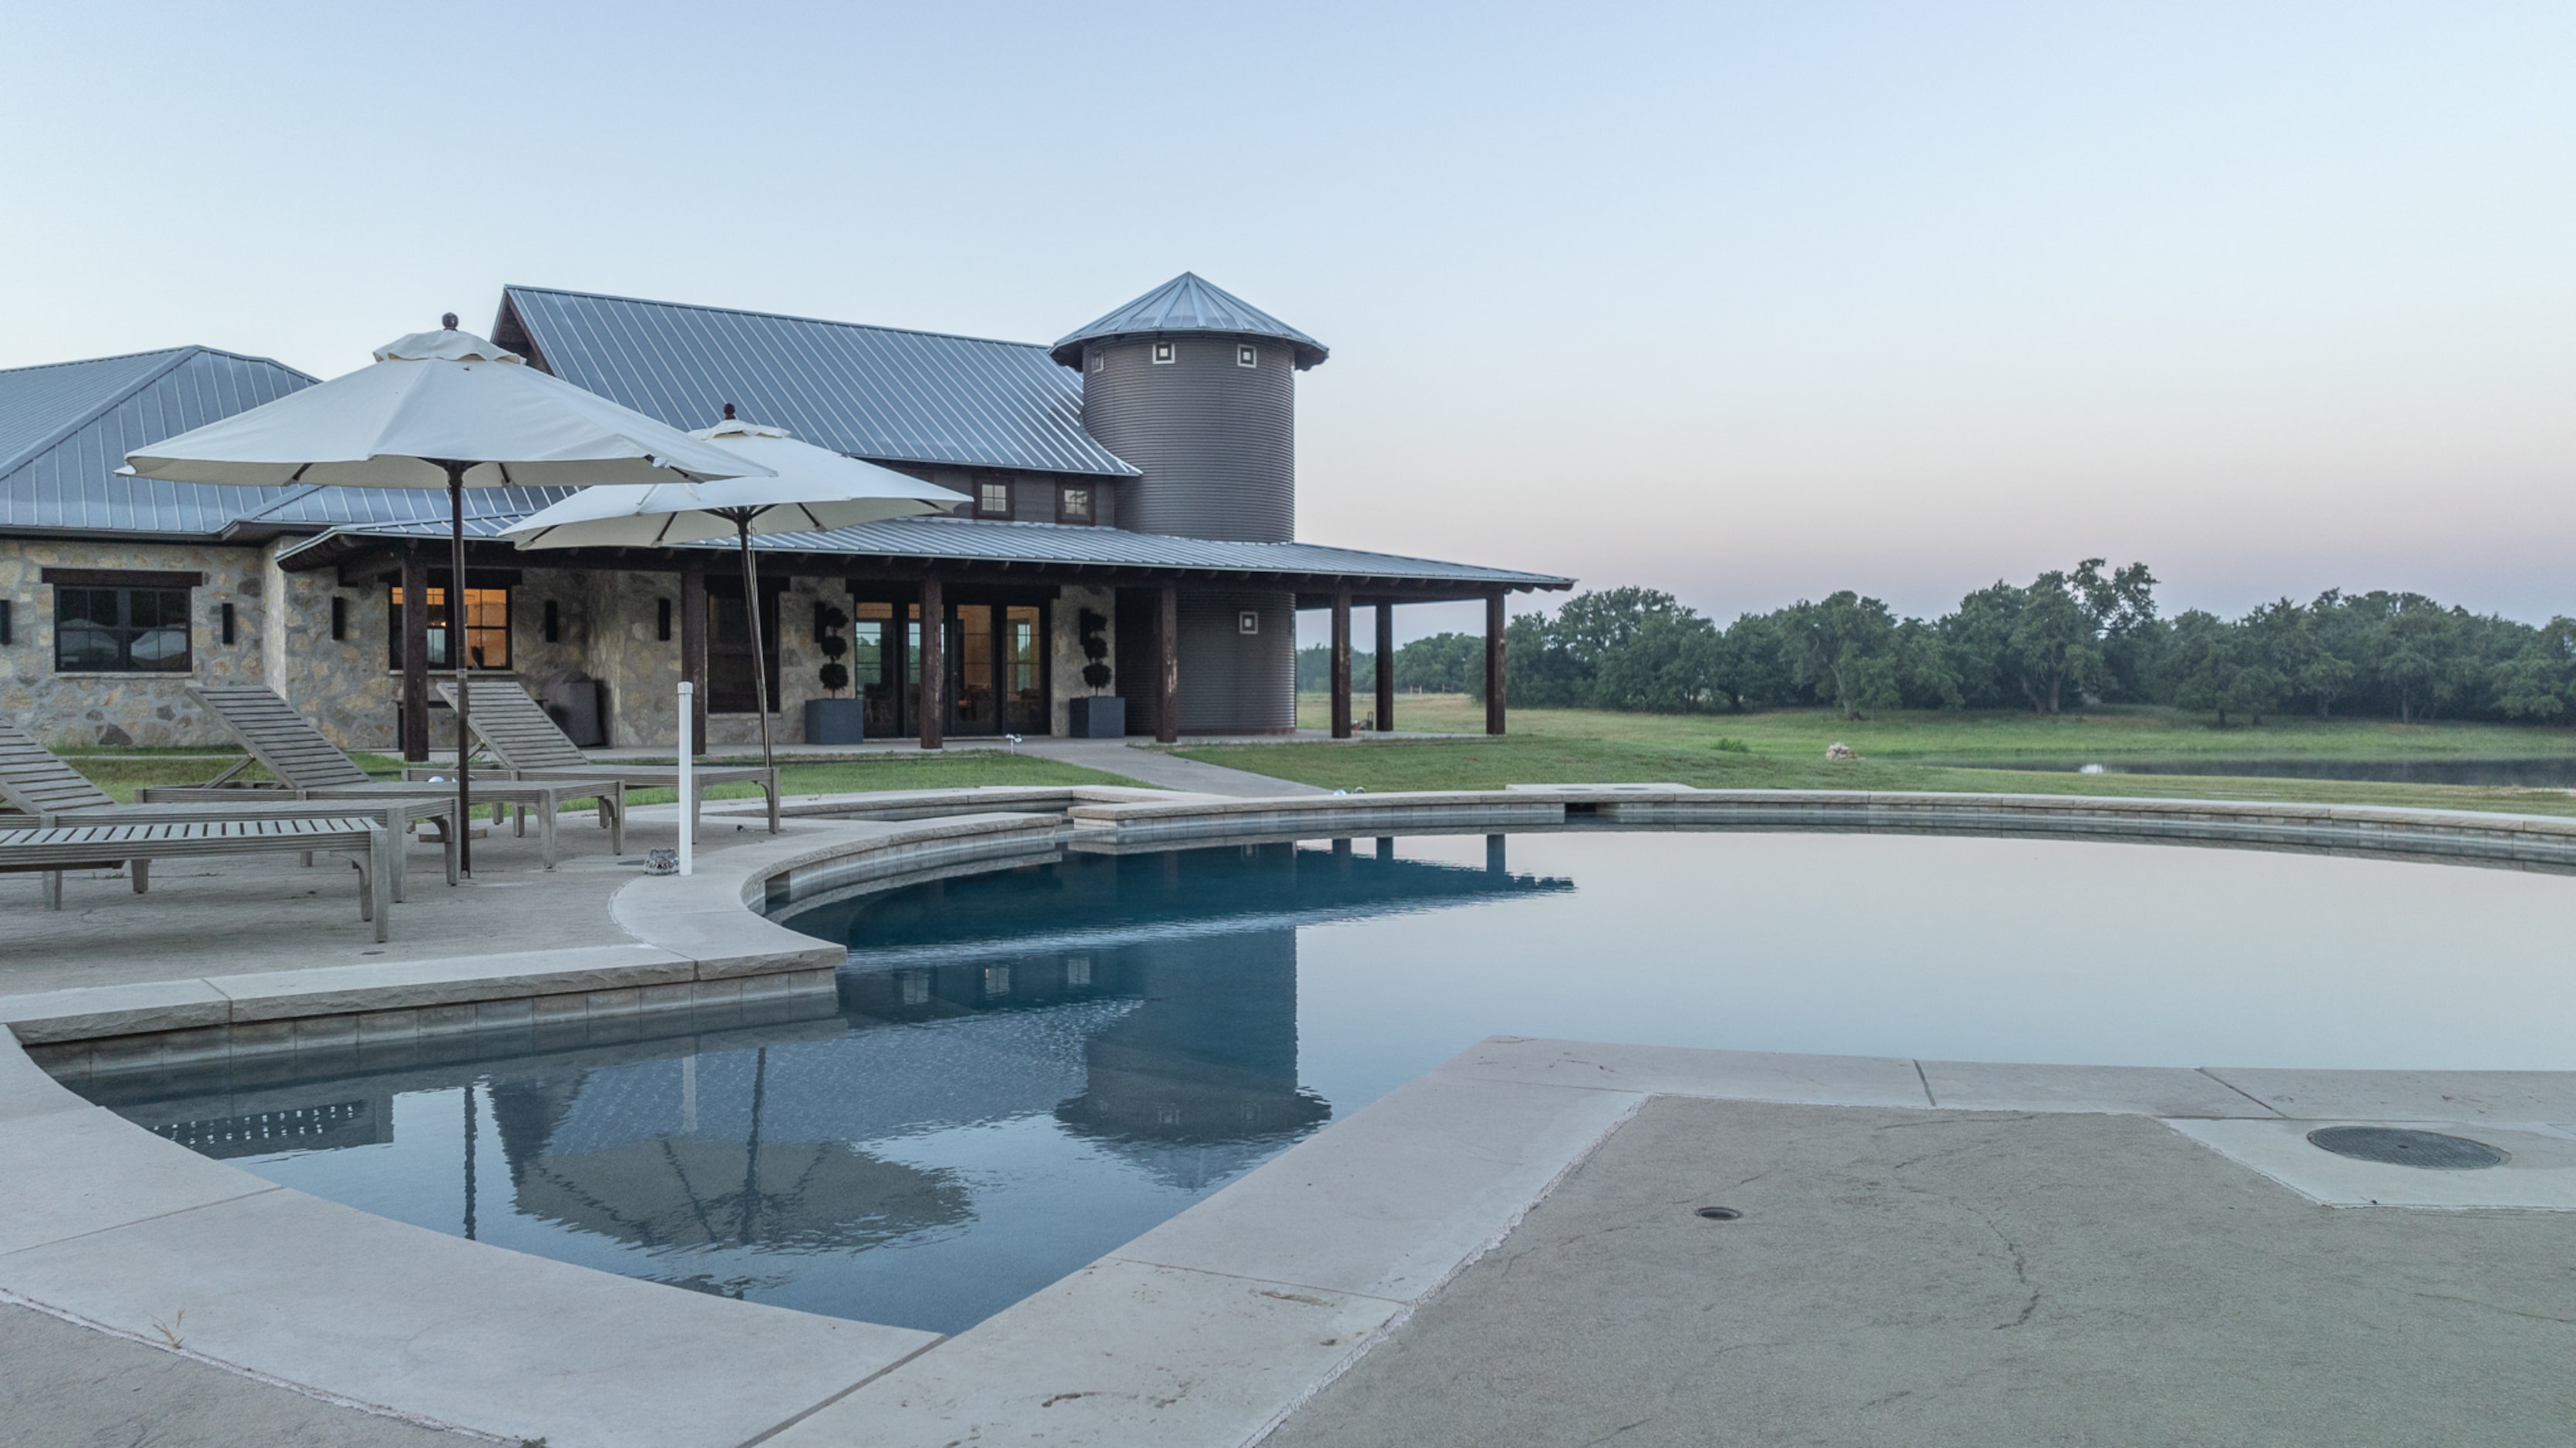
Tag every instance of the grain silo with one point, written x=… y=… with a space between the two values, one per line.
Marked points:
x=1197 y=389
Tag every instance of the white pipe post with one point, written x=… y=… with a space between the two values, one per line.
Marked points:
x=688 y=769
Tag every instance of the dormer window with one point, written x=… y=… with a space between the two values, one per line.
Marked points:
x=993 y=499
x=1247 y=356
x=1073 y=503
x=1165 y=353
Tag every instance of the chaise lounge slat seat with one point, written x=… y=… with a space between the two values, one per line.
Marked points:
x=528 y=744
x=51 y=793
x=309 y=766
x=54 y=849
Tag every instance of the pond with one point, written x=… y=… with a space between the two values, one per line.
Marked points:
x=1024 y=1070
x=2523 y=773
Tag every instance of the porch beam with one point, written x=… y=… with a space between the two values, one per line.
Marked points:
x=934 y=665
x=1385 y=666
x=693 y=646
x=415 y=654
x=1167 y=665
x=1342 y=664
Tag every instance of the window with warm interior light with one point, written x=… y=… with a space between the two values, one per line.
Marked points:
x=487 y=629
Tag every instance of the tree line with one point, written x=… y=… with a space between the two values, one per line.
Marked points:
x=2065 y=639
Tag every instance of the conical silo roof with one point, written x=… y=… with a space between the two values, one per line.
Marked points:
x=1188 y=303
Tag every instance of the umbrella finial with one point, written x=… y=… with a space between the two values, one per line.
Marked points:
x=728 y=412
x=448 y=320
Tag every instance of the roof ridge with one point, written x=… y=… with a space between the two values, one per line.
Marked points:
x=509 y=287
x=55 y=439
x=86 y=361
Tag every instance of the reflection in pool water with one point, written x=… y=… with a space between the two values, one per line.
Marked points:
x=1025 y=1070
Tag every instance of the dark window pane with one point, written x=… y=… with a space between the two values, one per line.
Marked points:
x=121 y=630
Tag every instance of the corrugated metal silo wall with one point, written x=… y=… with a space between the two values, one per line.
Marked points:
x=1231 y=681
x=1217 y=441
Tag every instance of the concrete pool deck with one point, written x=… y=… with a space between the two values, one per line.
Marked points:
x=1237 y=1317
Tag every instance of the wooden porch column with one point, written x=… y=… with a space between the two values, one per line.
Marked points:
x=1494 y=677
x=693 y=645
x=415 y=655
x=934 y=665
x=1385 y=667
x=1167 y=665
x=1342 y=664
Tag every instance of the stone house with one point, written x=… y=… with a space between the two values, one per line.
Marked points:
x=1132 y=489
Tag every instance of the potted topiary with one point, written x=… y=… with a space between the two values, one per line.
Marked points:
x=1096 y=715
x=834 y=720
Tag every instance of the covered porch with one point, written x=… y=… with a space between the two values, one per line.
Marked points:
x=1197 y=636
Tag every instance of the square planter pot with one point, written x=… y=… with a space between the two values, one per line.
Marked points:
x=836 y=721
x=1098 y=716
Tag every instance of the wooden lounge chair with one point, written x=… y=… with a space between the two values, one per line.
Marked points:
x=52 y=850
x=53 y=793
x=309 y=766
x=528 y=745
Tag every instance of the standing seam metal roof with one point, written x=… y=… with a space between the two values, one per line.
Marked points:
x=876 y=393
x=65 y=429
x=1188 y=303
x=987 y=541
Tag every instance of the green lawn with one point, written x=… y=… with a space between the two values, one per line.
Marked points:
x=2111 y=733
x=1785 y=750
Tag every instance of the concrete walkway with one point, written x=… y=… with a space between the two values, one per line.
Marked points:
x=68 y=1386
x=1920 y=1277
x=1154 y=766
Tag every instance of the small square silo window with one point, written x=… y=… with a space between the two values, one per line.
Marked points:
x=1165 y=352
x=1248 y=621
x=1247 y=356
x=1100 y=360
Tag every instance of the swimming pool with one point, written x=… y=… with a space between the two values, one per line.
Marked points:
x=1025 y=1069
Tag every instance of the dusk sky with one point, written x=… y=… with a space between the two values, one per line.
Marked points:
x=1744 y=302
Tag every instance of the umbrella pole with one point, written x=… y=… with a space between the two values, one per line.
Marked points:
x=759 y=662
x=456 y=654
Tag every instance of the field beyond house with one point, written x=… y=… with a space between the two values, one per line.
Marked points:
x=1785 y=749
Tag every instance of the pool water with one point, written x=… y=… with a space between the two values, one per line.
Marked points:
x=1026 y=1069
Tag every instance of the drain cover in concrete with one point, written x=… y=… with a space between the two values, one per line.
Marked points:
x=2399 y=1147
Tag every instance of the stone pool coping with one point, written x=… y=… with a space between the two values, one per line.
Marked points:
x=1210 y=1328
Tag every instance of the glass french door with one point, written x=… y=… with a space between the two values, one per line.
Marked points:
x=995 y=657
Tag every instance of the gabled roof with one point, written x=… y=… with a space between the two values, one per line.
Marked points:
x=1188 y=303
x=876 y=393
x=65 y=429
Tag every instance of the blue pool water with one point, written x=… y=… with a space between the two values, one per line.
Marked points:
x=1025 y=1070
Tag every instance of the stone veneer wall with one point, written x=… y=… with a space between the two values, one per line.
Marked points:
x=348 y=686
x=78 y=710
x=1065 y=623
x=607 y=626
x=626 y=650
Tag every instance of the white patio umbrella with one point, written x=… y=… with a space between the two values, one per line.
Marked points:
x=799 y=488
x=443 y=407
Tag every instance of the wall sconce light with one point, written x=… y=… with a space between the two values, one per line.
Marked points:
x=666 y=619
x=551 y=623
x=226 y=610
x=339 y=617
x=7 y=634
